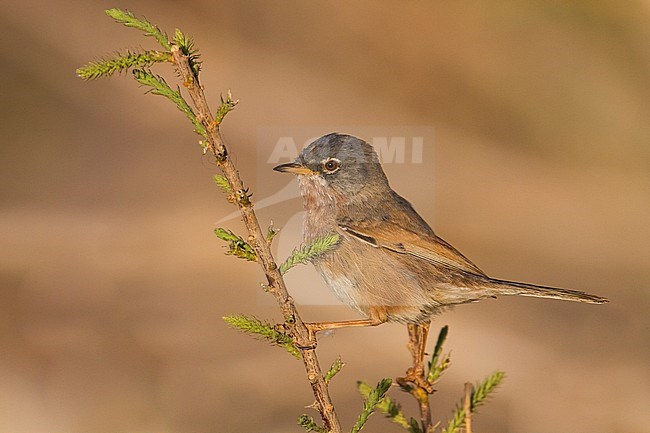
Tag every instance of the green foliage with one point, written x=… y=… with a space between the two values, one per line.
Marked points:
x=478 y=396
x=337 y=365
x=271 y=233
x=238 y=247
x=223 y=184
x=310 y=425
x=391 y=409
x=130 y=20
x=141 y=61
x=186 y=44
x=227 y=105
x=263 y=330
x=483 y=389
x=105 y=67
x=309 y=252
x=414 y=427
x=437 y=364
x=160 y=87
x=372 y=399
x=243 y=196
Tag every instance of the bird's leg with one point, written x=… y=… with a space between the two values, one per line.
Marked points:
x=417 y=345
x=315 y=327
x=415 y=381
x=424 y=329
x=413 y=345
x=418 y=334
x=377 y=317
x=321 y=326
x=421 y=349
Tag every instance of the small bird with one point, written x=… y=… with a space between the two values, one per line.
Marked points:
x=388 y=264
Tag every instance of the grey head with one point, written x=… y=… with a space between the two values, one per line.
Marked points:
x=342 y=162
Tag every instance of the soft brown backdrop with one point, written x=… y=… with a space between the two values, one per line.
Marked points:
x=112 y=286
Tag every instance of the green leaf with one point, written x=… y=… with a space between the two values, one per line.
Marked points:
x=442 y=336
x=263 y=330
x=337 y=365
x=160 y=87
x=243 y=197
x=310 y=425
x=414 y=427
x=186 y=44
x=223 y=184
x=391 y=409
x=107 y=66
x=227 y=105
x=371 y=401
x=238 y=247
x=478 y=396
x=271 y=233
x=130 y=20
x=437 y=364
x=483 y=390
x=307 y=253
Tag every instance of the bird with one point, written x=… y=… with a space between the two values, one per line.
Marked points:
x=388 y=264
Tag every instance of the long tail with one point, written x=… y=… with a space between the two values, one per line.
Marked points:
x=502 y=287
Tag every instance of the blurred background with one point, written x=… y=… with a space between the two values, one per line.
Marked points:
x=112 y=286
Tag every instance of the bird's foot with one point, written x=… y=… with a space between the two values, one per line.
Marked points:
x=299 y=342
x=313 y=329
x=415 y=376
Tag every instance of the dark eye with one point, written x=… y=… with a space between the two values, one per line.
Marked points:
x=331 y=165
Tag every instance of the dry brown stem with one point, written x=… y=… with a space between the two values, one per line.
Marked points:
x=256 y=238
x=468 y=407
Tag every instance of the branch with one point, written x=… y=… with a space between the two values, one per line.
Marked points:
x=373 y=398
x=391 y=410
x=266 y=331
x=467 y=406
x=107 y=66
x=437 y=365
x=257 y=240
x=160 y=87
x=337 y=365
x=238 y=247
x=478 y=396
x=130 y=20
x=308 y=423
x=307 y=253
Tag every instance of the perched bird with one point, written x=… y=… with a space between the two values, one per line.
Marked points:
x=389 y=264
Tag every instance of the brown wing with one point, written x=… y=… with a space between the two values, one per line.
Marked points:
x=427 y=247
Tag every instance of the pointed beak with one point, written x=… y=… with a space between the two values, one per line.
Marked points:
x=294 y=168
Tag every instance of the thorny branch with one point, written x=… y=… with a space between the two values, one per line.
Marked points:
x=276 y=286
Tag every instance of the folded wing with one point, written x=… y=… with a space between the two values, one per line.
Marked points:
x=429 y=248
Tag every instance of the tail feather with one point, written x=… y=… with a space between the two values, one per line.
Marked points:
x=502 y=287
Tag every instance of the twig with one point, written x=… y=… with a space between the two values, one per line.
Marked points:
x=373 y=399
x=477 y=396
x=257 y=240
x=468 y=407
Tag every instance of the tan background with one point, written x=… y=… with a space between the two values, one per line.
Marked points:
x=112 y=286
